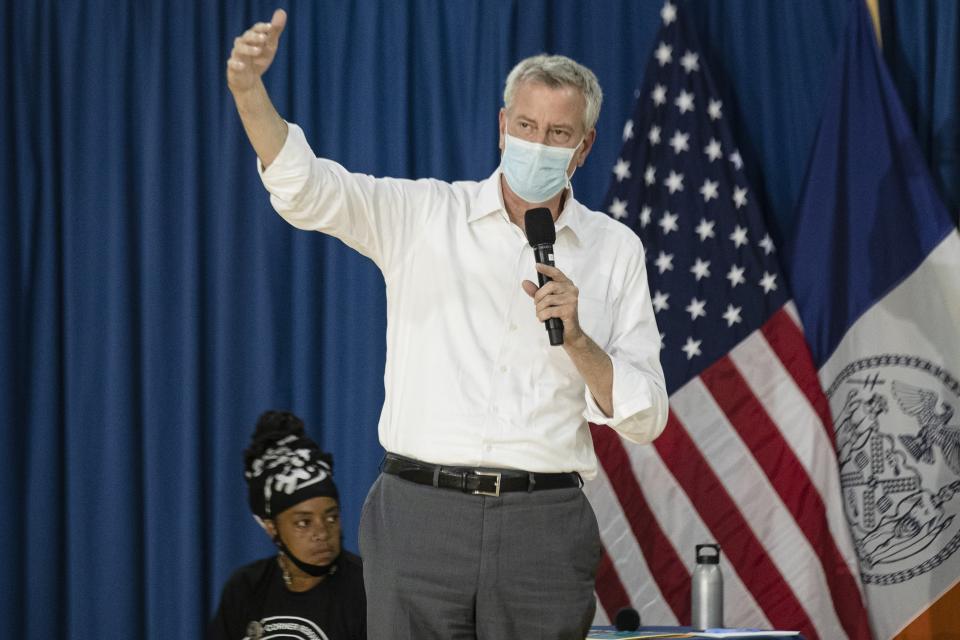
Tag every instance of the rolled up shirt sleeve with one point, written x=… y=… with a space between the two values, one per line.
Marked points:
x=289 y=173
x=640 y=401
x=639 y=405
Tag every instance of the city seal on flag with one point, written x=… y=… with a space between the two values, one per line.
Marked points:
x=893 y=417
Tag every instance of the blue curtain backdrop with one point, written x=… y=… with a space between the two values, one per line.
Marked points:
x=153 y=305
x=921 y=44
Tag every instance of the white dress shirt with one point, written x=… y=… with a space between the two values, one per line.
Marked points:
x=471 y=378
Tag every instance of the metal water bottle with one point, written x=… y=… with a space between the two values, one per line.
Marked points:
x=706 y=590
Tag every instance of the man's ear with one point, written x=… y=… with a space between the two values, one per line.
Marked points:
x=502 y=119
x=588 y=141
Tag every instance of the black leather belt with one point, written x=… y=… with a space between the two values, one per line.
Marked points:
x=476 y=481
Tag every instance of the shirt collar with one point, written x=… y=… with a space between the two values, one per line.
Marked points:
x=571 y=217
x=489 y=200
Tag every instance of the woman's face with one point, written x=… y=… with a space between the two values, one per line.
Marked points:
x=311 y=530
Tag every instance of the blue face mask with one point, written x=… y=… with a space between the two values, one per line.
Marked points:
x=535 y=172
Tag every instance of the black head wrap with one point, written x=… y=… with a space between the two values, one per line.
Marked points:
x=284 y=467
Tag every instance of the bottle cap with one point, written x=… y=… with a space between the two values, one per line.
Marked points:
x=713 y=558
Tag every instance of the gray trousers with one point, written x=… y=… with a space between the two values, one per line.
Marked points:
x=445 y=565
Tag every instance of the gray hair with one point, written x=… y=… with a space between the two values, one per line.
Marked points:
x=555 y=72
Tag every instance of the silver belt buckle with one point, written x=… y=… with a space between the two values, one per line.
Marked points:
x=496 y=486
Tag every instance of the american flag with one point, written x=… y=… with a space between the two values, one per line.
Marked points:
x=747 y=459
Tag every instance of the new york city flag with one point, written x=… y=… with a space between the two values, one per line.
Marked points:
x=876 y=278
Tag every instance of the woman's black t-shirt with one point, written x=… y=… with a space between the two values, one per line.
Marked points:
x=256 y=605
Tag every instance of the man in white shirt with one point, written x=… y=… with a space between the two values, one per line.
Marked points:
x=478 y=526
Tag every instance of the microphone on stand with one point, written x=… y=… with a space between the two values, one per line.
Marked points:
x=541 y=234
x=627 y=619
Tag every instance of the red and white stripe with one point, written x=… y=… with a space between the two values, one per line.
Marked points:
x=747 y=460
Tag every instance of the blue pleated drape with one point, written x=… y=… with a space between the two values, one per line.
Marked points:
x=153 y=305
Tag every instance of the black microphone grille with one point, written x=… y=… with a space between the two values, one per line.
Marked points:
x=539 y=226
x=627 y=619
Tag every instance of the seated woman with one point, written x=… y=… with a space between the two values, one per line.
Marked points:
x=312 y=588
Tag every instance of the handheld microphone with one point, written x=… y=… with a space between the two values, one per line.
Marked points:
x=541 y=234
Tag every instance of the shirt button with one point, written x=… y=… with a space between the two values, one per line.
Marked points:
x=488 y=447
x=503 y=369
x=513 y=326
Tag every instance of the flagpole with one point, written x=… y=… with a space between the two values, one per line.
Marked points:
x=874 y=8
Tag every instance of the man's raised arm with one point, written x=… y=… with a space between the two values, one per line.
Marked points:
x=251 y=56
